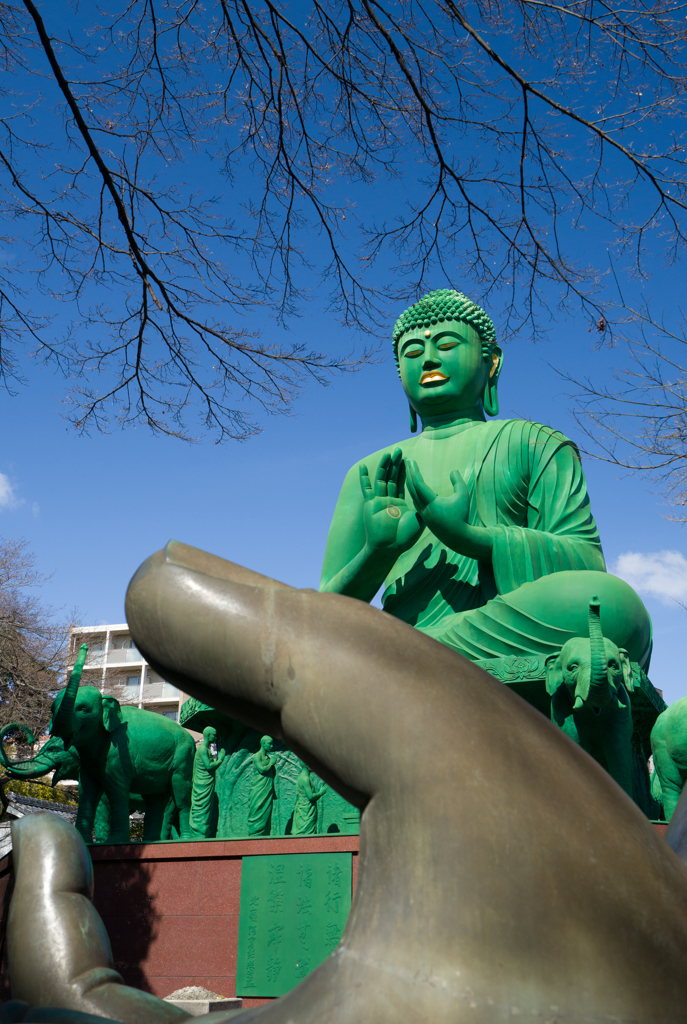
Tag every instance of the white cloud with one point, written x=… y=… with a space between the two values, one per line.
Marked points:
x=661 y=574
x=8 y=498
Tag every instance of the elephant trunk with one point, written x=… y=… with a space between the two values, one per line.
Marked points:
x=15 y=767
x=61 y=724
x=53 y=755
x=599 y=690
x=26 y=770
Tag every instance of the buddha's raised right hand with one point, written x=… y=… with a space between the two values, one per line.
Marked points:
x=391 y=526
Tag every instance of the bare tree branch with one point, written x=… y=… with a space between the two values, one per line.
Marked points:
x=33 y=644
x=639 y=420
x=504 y=127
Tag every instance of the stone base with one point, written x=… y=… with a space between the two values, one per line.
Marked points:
x=172 y=909
x=197 y=1007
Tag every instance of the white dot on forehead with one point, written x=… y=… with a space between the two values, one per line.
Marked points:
x=427 y=334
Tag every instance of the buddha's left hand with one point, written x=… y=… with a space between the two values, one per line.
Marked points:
x=448 y=517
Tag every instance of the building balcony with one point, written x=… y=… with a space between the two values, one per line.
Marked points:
x=120 y=656
x=94 y=659
x=115 y=656
x=159 y=691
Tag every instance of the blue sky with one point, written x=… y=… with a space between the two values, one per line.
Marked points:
x=94 y=508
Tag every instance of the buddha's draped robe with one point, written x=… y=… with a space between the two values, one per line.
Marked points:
x=527 y=487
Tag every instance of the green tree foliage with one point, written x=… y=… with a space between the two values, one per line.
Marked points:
x=41 y=791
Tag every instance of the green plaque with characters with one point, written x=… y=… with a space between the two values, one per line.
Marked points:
x=293 y=912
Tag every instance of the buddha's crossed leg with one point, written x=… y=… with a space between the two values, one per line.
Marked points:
x=539 y=617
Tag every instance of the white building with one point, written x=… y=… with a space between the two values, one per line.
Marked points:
x=114 y=664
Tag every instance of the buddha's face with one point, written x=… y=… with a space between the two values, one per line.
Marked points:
x=442 y=368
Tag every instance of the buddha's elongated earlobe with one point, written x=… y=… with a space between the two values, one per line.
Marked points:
x=413 y=420
x=490 y=399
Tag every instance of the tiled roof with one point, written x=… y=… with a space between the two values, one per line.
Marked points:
x=30 y=804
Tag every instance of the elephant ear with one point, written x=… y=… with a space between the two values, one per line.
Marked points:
x=561 y=704
x=112 y=713
x=554 y=673
x=628 y=674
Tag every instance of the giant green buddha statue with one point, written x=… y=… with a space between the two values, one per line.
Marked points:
x=480 y=530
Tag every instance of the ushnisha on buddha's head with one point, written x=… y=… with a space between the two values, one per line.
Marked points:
x=447 y=357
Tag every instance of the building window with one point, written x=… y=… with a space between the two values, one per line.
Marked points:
x=129 y=645
x=174 y=715
x=133 y=681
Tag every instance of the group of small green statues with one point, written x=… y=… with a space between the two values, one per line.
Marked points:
x=482 y=536
x=261 y=795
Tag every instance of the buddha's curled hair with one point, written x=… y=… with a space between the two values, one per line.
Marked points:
x=442 y=305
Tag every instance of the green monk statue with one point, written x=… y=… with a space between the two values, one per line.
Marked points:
x=205 y=766
x=305 y=810
x=261 y=795
x=480 y=531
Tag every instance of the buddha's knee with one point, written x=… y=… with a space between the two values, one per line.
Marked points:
x=562 y=600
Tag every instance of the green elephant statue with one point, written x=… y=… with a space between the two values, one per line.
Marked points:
x=669 y=748
x=62 y=759
x=589 y=682
x=102 y=829
x=124 y=750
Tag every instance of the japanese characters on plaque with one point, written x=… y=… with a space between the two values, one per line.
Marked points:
x=293 y=913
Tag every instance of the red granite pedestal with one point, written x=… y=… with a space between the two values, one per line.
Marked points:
x=172 y=909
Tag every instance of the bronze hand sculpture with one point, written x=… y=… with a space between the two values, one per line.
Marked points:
x=502 y=872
